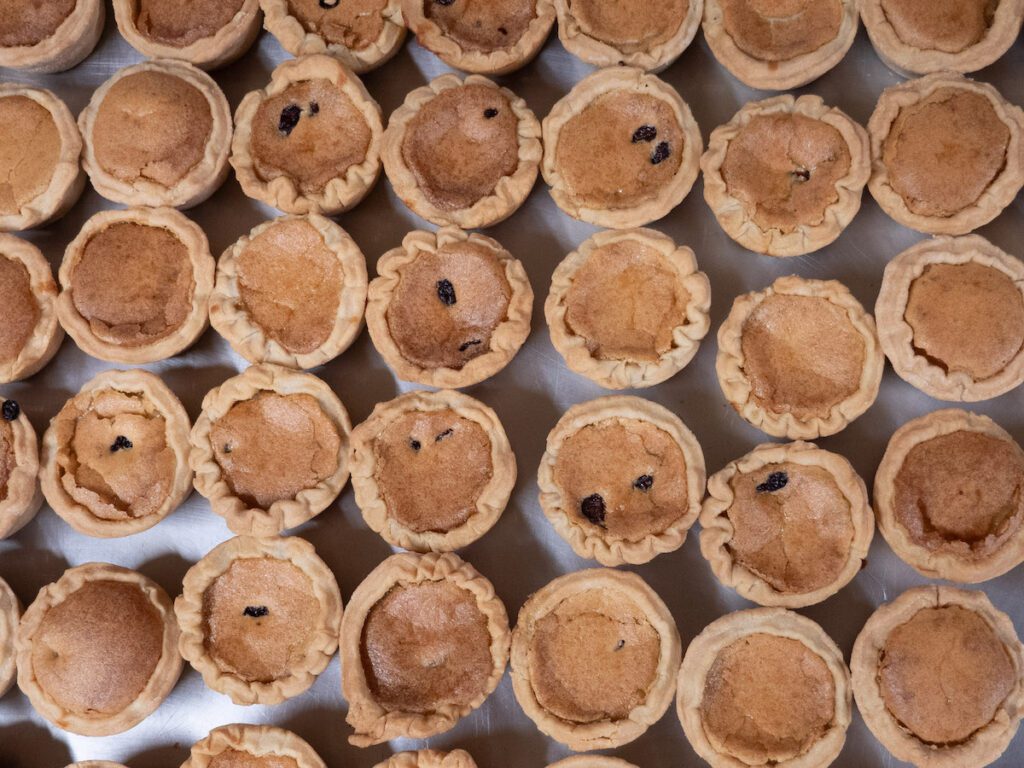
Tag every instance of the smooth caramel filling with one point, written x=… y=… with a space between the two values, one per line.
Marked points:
x=482 y=25
x=8 y=458
x=30 y=22
x=630 y=25
x=951 y=26
x=233 y=758
x=28 y=154
x=20 y=308
x=354 y=24
x=780 y=30
x=182 y=22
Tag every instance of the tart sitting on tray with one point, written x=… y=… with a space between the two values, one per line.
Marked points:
x=252 y=746
x=430 y=758
x=49 y=37
x=30 y=334
x=96 y=764
x=20 y=496
x=10 y=615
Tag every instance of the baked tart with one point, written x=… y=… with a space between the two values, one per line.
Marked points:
x=938 y=678
x=10 y=615
x=778 y=45
x=49 y=37
x=948 y=153
x=157 y=134
x=621 y=480
x=462 y=152
x=594 y=658
x=489 y=38
x=20 y=496
x=432 y=471
x=30 y=334
x=621 y=149
x=291 y=292
x=951 y=318
x=252 y=746
x=786 y=175
x=270 y=449
x=136 y=285
x=96 y=764
x=449 y=308
x=259 y=618
x=98 y=650
x=628 y=309
x=800 y=359
x=310 y=141
x=424 y=641
x=430 y=758
x=786 y=525
x=591 y=761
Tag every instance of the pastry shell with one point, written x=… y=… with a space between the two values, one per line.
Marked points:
x=257 y=740
x=430 y=758
x=70 y=43
x=48 y=334
x=10 y=614
x=591 y=761
x=23 y=497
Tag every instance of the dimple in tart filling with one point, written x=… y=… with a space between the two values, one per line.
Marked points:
x=780 y=30
x=182 y=24
x=26 y=23
x=950 y=26
x=21 y=308
x=630 y=26
x=29 y=153
x=354 y=24
x=482 y=26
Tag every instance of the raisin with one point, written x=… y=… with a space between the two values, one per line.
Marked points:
x=256 y=611
x=620 y=645
x=11 y=410
x=228 y=448
x=502 y=30
x=464 y=346
x=490 y=113
x=593 y=509
x=289 y=119
x=645 y=133
x=328 y=4
x=660 y=153
x=776 y=482
x=314 y=108
x=121 y=443
x=801 y=174
x=447 y=433
x=415 y=444
x=446 y=292
x=643 y=483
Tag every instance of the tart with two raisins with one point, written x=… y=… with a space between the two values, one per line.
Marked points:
x=252 y=746
x=20 y=495
x=10 y=615
x=30 y=334
x=430 y=758
x=49 y=37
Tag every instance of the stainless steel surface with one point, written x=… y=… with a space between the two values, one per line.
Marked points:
x=522 y=553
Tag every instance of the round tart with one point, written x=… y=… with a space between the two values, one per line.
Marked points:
x=310 y=141
x=20 y=497
x=432 y=471
x=259 y=618
x=40 y=158
x=49 y=37
x=96 y=764
x=628 y=309
x=949 y=496
x=490 y=38
x=430 y=758
x=136 y=285
x=621 y=149
x=424 y=642
x=785 y=176
x=157 y=133
x=30 y=334
x=948 y=153
x=252 y=746
x=938 y=678
x=621 y=480
x=363 y=34
x=778 y=45
x=449 y=308
x=291 y=292
x=636 y=33
x=115 y=457
x=923 y=36
x=591 y=761
x=594 y=658
x=951 y=318
x=800 y=359
x=786 y=525
x=270 y=449
x=462 y=152
x=98 y=650
x=10 y=614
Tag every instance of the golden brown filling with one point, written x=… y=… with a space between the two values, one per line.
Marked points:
x=8 y=459
x=431 y=467
x=594 y=657
x=133 y=284
x=961 y=493
x=152 y=126
x=272 y=446
x=623 y=478
x=20 y=308
x=630 y=25
x=944 y=674
x=943 y=152
x=354 y=24
x=482 y=25
x=233 y=758
x=802 y=355
x=96 y=651
x=967 y=318
x=259 y=617
x=784 y=168
x=447 y=305
x=290 y=283
x=767 y=699
x=940 y=25
x=30 y=22
x=461 y=144
x=182 y=22
x=626 y=301
x=311 y=133
x=29 y=151
x=780 y=30
x=426 y=645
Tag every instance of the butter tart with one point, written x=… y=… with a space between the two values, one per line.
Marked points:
x=628 y=309
x=489 y=38
x=49 y=37
x=30 y=334
x=98 y=650
x=291 y=292
x=800 y=359
x=951 y=318
x=157 y=134
x=20 y=496
x=270 y=449
x=424 y=641
x=96 y=764
x=786 y=175
x=938 y=678
x=594 y=658
x=310 y=141
x=10 y=615
x=259 y=618
x=432 y=471
x=778 y=45
x=449 y=308
x=252 y=746
x=136 y=284
x=430 y=758
x=462 y=152
x=591 y=761
x=786 y=525
x=621 y=480
x=948 y=153
x=621 y=149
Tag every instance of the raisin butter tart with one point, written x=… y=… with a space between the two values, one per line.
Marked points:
x=20 y=495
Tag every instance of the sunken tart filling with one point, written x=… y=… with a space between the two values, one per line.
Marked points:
x=30 y=334
x=49 y=37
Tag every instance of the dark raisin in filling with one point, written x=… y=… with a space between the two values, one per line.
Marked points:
x=447 y=433
x=11 y=410
x=289 y=119
x=328 y=4
x=256 y=611
x=121 y=443
x=464 y=346
x=645 y=133
x=446 y=292
x=502 y=30
x=661 y=153
x=593 y=509
x=801 y=174
x=415 y=444
x=643 y=483
x=490 y=113
x=776 y=482
x=314 y=108
x=620 y=645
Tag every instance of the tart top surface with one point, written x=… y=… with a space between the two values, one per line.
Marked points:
x=27 y=23
x=779 y=30
x=183 y=23
x=30 y=151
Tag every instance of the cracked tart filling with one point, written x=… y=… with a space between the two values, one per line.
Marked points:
x=182 y=23
x=29 y=152
x=21 y=308
x=780 y=30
